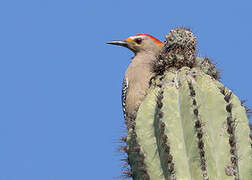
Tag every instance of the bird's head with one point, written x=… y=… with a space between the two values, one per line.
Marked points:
x=140 y=43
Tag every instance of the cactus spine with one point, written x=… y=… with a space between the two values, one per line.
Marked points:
x=189 y=126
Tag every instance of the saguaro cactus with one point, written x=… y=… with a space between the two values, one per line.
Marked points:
x=190 y=126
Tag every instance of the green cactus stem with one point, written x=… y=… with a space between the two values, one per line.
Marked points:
x=190 y=128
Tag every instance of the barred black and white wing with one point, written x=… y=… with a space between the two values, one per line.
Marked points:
x=125 y=86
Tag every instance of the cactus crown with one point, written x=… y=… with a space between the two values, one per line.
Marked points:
x=179 y=50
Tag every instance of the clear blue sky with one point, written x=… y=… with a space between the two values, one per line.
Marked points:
x=60 y=104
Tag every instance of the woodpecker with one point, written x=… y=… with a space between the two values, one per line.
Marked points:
x=137 y=77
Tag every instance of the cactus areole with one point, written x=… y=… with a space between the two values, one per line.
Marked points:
x=189 y=126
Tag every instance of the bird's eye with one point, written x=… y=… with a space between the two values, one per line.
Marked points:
x=138 y=40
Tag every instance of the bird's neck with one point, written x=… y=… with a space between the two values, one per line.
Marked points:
x=144 y=57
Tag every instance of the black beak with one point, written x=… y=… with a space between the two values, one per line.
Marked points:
x=118 y=43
